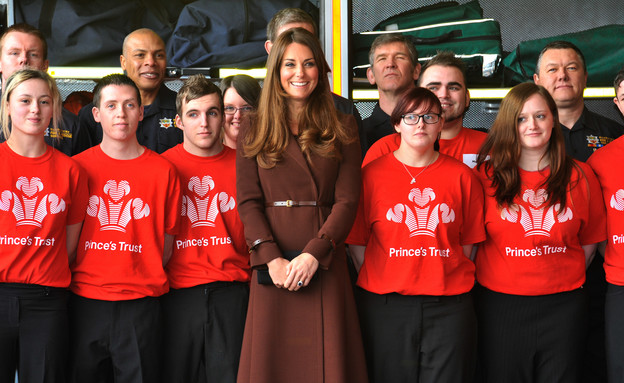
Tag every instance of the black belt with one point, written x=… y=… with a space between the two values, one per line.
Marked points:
x=291 y=203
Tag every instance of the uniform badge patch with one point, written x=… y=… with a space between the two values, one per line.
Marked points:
x=166 y=123
x=592 y=141
x=597 y=141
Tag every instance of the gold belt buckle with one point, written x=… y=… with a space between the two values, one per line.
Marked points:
x=290 y=203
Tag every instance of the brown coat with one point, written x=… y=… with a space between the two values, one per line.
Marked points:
x=312 y=335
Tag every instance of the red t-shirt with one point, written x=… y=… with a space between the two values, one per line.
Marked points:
x=414 y=233
x=133 y=204
x=39 y=198
x=606 y=162
x=463 y=147
x=533 y=249
x=210 y=245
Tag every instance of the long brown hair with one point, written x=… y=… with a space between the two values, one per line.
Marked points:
x=320 y=130
x=504 y=148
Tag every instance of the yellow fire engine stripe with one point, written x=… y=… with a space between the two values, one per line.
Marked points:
x=488 y=94
x=337 y=47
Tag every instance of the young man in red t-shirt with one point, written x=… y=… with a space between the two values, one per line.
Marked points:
x=126 y=240
x=204 y=313
x=605 y=162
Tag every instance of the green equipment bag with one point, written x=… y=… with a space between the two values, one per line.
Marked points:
x=432 y=14
x=602 y=47
x=476 y=42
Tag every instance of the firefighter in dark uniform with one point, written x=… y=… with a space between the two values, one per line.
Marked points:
x=561 y=69
x=144 y=60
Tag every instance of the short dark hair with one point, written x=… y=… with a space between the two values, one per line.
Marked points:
x=445 y=59
x=246 y=86
x=288 y=16
x=113 y=79
x=393 y=38
x=619 y=77
x=412 y=99
x=30 y=30
x=560 y=44
x=194 y=87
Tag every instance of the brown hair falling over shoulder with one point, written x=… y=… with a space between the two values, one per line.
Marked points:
x=504 y=150
x=320 y=130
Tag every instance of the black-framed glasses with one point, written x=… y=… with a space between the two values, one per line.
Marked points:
x=413 y=118
x=232 y=109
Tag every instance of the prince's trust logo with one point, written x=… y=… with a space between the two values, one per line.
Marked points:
x=536 y=220
x=201 y=207
x=424 y=217
x=617 y=200
x=114 y=210
x=617 y=203
x=28 y=204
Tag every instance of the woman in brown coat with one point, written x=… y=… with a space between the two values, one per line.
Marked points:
x=298 y=181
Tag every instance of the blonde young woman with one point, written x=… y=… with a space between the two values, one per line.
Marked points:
x=43 y=197
x=298 y=179
x=543 y=217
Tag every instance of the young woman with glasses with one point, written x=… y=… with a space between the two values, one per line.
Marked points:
x=420 y=213
x=240 y=99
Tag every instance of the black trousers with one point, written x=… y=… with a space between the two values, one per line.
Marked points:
x=614 y=325
x=203 y=332
x=33 y=333
x=115 y=341
x=594 y=360
x=426 y=339
x=536 y=339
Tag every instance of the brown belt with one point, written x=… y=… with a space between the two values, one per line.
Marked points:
x=291 y=203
